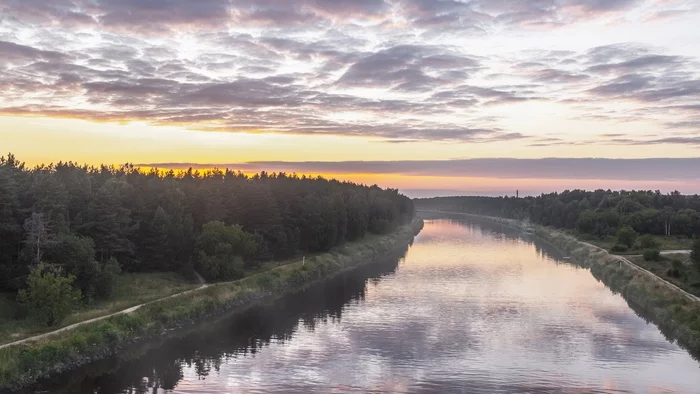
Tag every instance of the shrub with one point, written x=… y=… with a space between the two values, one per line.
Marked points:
x=49 y=296
x=652 y=255
x=265 y=280
x=619 y=248
x=104 y=282
x=222 y=251
x=695 y=254
x=626 y=236
x=76 y=255
x=647 y=241
x=676 y=269
x=187 y=271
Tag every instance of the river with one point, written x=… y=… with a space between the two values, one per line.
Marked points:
x=470 y=308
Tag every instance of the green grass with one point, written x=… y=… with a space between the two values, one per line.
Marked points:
x=665 y=243
x=689 y=279
x=130 y=289
x=22 y=364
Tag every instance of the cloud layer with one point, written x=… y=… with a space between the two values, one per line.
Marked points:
x=658 y=169
x=398 y=70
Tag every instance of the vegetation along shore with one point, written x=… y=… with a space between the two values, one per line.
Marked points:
x=79 y=243
x=648 y=283
x=23 y=364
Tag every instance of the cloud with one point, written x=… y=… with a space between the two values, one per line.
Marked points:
x=657 y=169
x=406 y=67
x=11 y=52
x=623 y=85
x=638 y=64
x=394 y=70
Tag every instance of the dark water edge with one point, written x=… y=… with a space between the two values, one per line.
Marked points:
x=273 y=317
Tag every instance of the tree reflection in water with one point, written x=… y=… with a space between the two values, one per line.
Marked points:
x=205 y=347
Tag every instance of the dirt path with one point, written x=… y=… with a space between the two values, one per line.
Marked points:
x=625 y=260
x=667 y=252
x=201 y=280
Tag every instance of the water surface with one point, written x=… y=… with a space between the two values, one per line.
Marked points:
x=470 y=308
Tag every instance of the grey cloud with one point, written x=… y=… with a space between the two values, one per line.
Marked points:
x=548 y=12
x=496 y=95
x=614 y=53
x=350 y=7
x=635 y=73
x=405 y=67
x=690 y=141
x=657 y=169
x=623 y=85
x=166 y=12
x=689 y=124
x=166 y=16
x=11 y=52
x=163 y=16
x=551 y=75
x=241 y=82
x=243 y=92
x=277 y=17
x=640 y=63
x=673 y=90
x=610 y=135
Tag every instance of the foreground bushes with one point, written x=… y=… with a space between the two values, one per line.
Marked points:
x=49 y=296
x=23 y=364
x=619 y=248
x=652 y=255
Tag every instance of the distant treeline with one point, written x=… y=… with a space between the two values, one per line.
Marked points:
x=600 y=212
x=223 y=222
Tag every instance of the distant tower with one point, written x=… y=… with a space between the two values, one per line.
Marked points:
x=517 y=194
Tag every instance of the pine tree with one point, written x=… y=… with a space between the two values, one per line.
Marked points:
x=155 y=241
x=109 y=224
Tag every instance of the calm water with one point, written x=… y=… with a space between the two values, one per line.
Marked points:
x=468 y=309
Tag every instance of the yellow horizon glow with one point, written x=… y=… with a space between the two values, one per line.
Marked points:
x=46 y=140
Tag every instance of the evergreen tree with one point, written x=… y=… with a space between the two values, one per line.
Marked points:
x=151 y=220
x=155 y=241
x=109 y=224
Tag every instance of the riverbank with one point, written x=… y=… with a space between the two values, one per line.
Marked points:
x=674 y=311
x=130 y=290
x=23 y=364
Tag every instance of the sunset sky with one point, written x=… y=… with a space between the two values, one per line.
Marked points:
x=430 y=96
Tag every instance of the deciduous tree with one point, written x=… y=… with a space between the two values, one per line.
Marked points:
x=49 y=295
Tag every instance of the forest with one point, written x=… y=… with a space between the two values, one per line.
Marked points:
x=76 y=226
x=600 y=213
x=622 y=221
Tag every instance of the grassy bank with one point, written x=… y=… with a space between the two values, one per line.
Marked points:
x=23 y=364
x=664 y=243
x=129 y=289
x=682 y=273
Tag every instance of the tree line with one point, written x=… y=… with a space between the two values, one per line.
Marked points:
x=94 y=221
x=599 y=213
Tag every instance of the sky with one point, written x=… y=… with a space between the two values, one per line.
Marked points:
x=435 y=97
